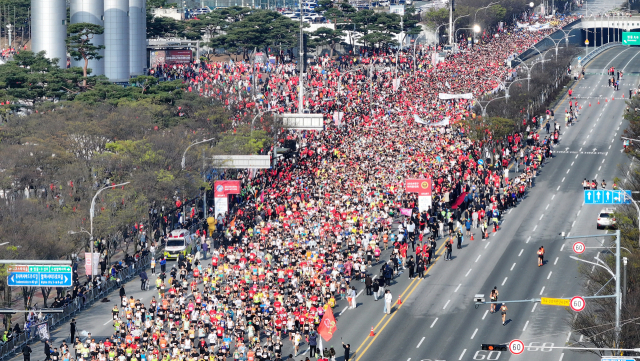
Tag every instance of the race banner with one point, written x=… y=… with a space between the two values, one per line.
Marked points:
x=221 y=189
x=446 y=96
x=43 y=331
x=406 y=211
x=420 y=186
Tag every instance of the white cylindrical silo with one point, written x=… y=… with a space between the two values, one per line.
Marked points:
x=137 y=37
x=89 y=11
x=49 y=29
x=116 y=40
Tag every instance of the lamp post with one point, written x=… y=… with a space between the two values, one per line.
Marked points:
x=91 y=215
x=475 y=17
x=204 y=177
x=453 y=26
x=257 y=115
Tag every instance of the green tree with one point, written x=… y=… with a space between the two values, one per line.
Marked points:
x=80 y=45
x=328 y=37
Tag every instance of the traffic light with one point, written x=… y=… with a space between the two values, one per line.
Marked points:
x=494 y=347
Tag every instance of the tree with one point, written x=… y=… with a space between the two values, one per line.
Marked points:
x=80 y=47
x=328 y=37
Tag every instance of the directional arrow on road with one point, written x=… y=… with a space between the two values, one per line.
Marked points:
x=594 y=149
x=566 y=149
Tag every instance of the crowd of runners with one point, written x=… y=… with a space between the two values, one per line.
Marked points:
x=302 y=233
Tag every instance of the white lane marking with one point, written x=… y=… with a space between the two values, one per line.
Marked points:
x=525 y=326
x=477 y=259
x=420 y=343
x=561 y=356
x=446 y=304
x=474 y=334
x=556 y=261
x=609 y=148
x=345 y=308
x=528 y=239
x=596 y=177
x=534 y=307
x=557 y=189
x=547 y=206
x=520 y=254
x=534 y=228
x=568 y=337
x=457 y=288
x=577 y=156
x=581 y=337
x=599 y=168
x=542 y=215
x=572 y=163
x=561 y=248
x=359 y=293
x=462 y=355
x=108 y=322
x=469 y=271
x=434 y=322
x=573 y=224
x=514 y=264
x=485 y=314
x=593 y=268
x=568 y=170
x=549 y=276
x=579 y=212
x=542 y=290
x=603 y=160
x=553 y=197
x=505 y=281
x=486 y=245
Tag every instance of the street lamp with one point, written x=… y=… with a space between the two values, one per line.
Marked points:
x=259 y=114
x=204 y=177
x=453 y=26
x=475 y=17
x=91 y=214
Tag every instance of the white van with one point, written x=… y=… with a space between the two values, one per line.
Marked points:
x=179 y=242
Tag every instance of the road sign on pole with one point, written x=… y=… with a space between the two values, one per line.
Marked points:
x=579 y=247
x=604 y=196
x=578 y=303
x=555 y=301
x=516 y=347
x=35 y=276
x=614 y=358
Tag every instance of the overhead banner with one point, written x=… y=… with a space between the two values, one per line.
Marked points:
x=420 y=186
x=446 y=96
x=221 y=189
x=441 y=123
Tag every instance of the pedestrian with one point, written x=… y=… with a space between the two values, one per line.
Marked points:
x=47 y=350
x=153 y=266
x=163 y=265
x=412 y=266
x=449 y=250
x=122 y=292
x=460 y=239
x=347 y=351
x=313 y=342
x=375 y=288
x=540 y=256
x=205 y=249
x=420 y=266
x=387 y=302
x=352 y=295
x=493 y=296
x=72 y=329
x=26 y=352
x=503 y=310
x=368 y=283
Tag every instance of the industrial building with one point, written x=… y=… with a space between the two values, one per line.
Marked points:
x=124 y=38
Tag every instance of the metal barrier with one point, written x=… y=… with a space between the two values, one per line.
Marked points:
x=598 y=51
x=13 y=346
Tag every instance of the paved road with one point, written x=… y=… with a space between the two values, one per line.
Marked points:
x=437 y=320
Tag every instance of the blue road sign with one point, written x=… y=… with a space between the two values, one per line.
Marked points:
x=48 y=276
x=614 y=358
x=604 y=196
x=480 y=161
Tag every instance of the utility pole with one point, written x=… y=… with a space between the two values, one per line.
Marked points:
x=450 y=22
x=204 y=193
x=301 y=81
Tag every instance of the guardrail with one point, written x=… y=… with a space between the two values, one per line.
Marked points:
x=598 y=51
x=13 y=346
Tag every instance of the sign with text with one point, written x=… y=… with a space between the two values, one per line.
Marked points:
x=36 y=275
x=221 y=189
x=420 y=186
x=89 y=262
x=630 y=38
x=565 y=302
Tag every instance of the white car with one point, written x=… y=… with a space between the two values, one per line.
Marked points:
x=606 y=218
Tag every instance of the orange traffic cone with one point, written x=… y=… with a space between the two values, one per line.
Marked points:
x=598 y=101
x=622 y=96
x=494 y=228
x=472 y=236
x=613 y=98
x=371 y=334
x=399 y=301
x=581 y=107
x=486 y=234
x=589 y=103
x=497 y=227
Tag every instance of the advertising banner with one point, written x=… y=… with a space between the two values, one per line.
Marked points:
x=221 y=205
x=170 y=57
x=221 y=189
x=88 y=263
x=420 y=186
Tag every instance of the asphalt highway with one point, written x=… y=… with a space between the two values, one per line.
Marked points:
x=437 y=319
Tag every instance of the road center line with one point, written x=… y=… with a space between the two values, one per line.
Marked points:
x=486 y=245
x=469 y=271
x=485 y=314
x=462 y=355
x=553 y=197
x=534 y=228
x=547 y=206
x=528 y=239
x=420 y=343
x=477 y=259
x=542 y=215
x=549 y=276
x=446 y=304
x=505 y=280
x=562 y=248
x=534 y=307
x=558 y=188
x=556 y=261
x=474 y=334
x=520 y=254
x=568 y=336
x=561 y=356
x=457 y=288
x=434 y=322
x=514 y=264
x=542 y=290
x=525 y=326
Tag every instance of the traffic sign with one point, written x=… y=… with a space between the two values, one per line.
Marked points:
x=40 y=275
x=630 y=38
x=516 y=347
x=605 y=196
x=480 y=161
x=555 y=301
x=614 y=358
x=579 y=247
x=578 y=304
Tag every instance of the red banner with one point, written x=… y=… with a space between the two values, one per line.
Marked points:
x=327 y=325
x=223 y=188
x=420 y=186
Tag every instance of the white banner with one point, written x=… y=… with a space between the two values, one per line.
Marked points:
x=419 y=120
x=337 y=118
x=424 y=203
x=221 y=205
x=88 y=262
x=43 y=331
x=446 y=96
x=441 y=123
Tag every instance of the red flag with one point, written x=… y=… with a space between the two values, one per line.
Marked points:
x=328 y=325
